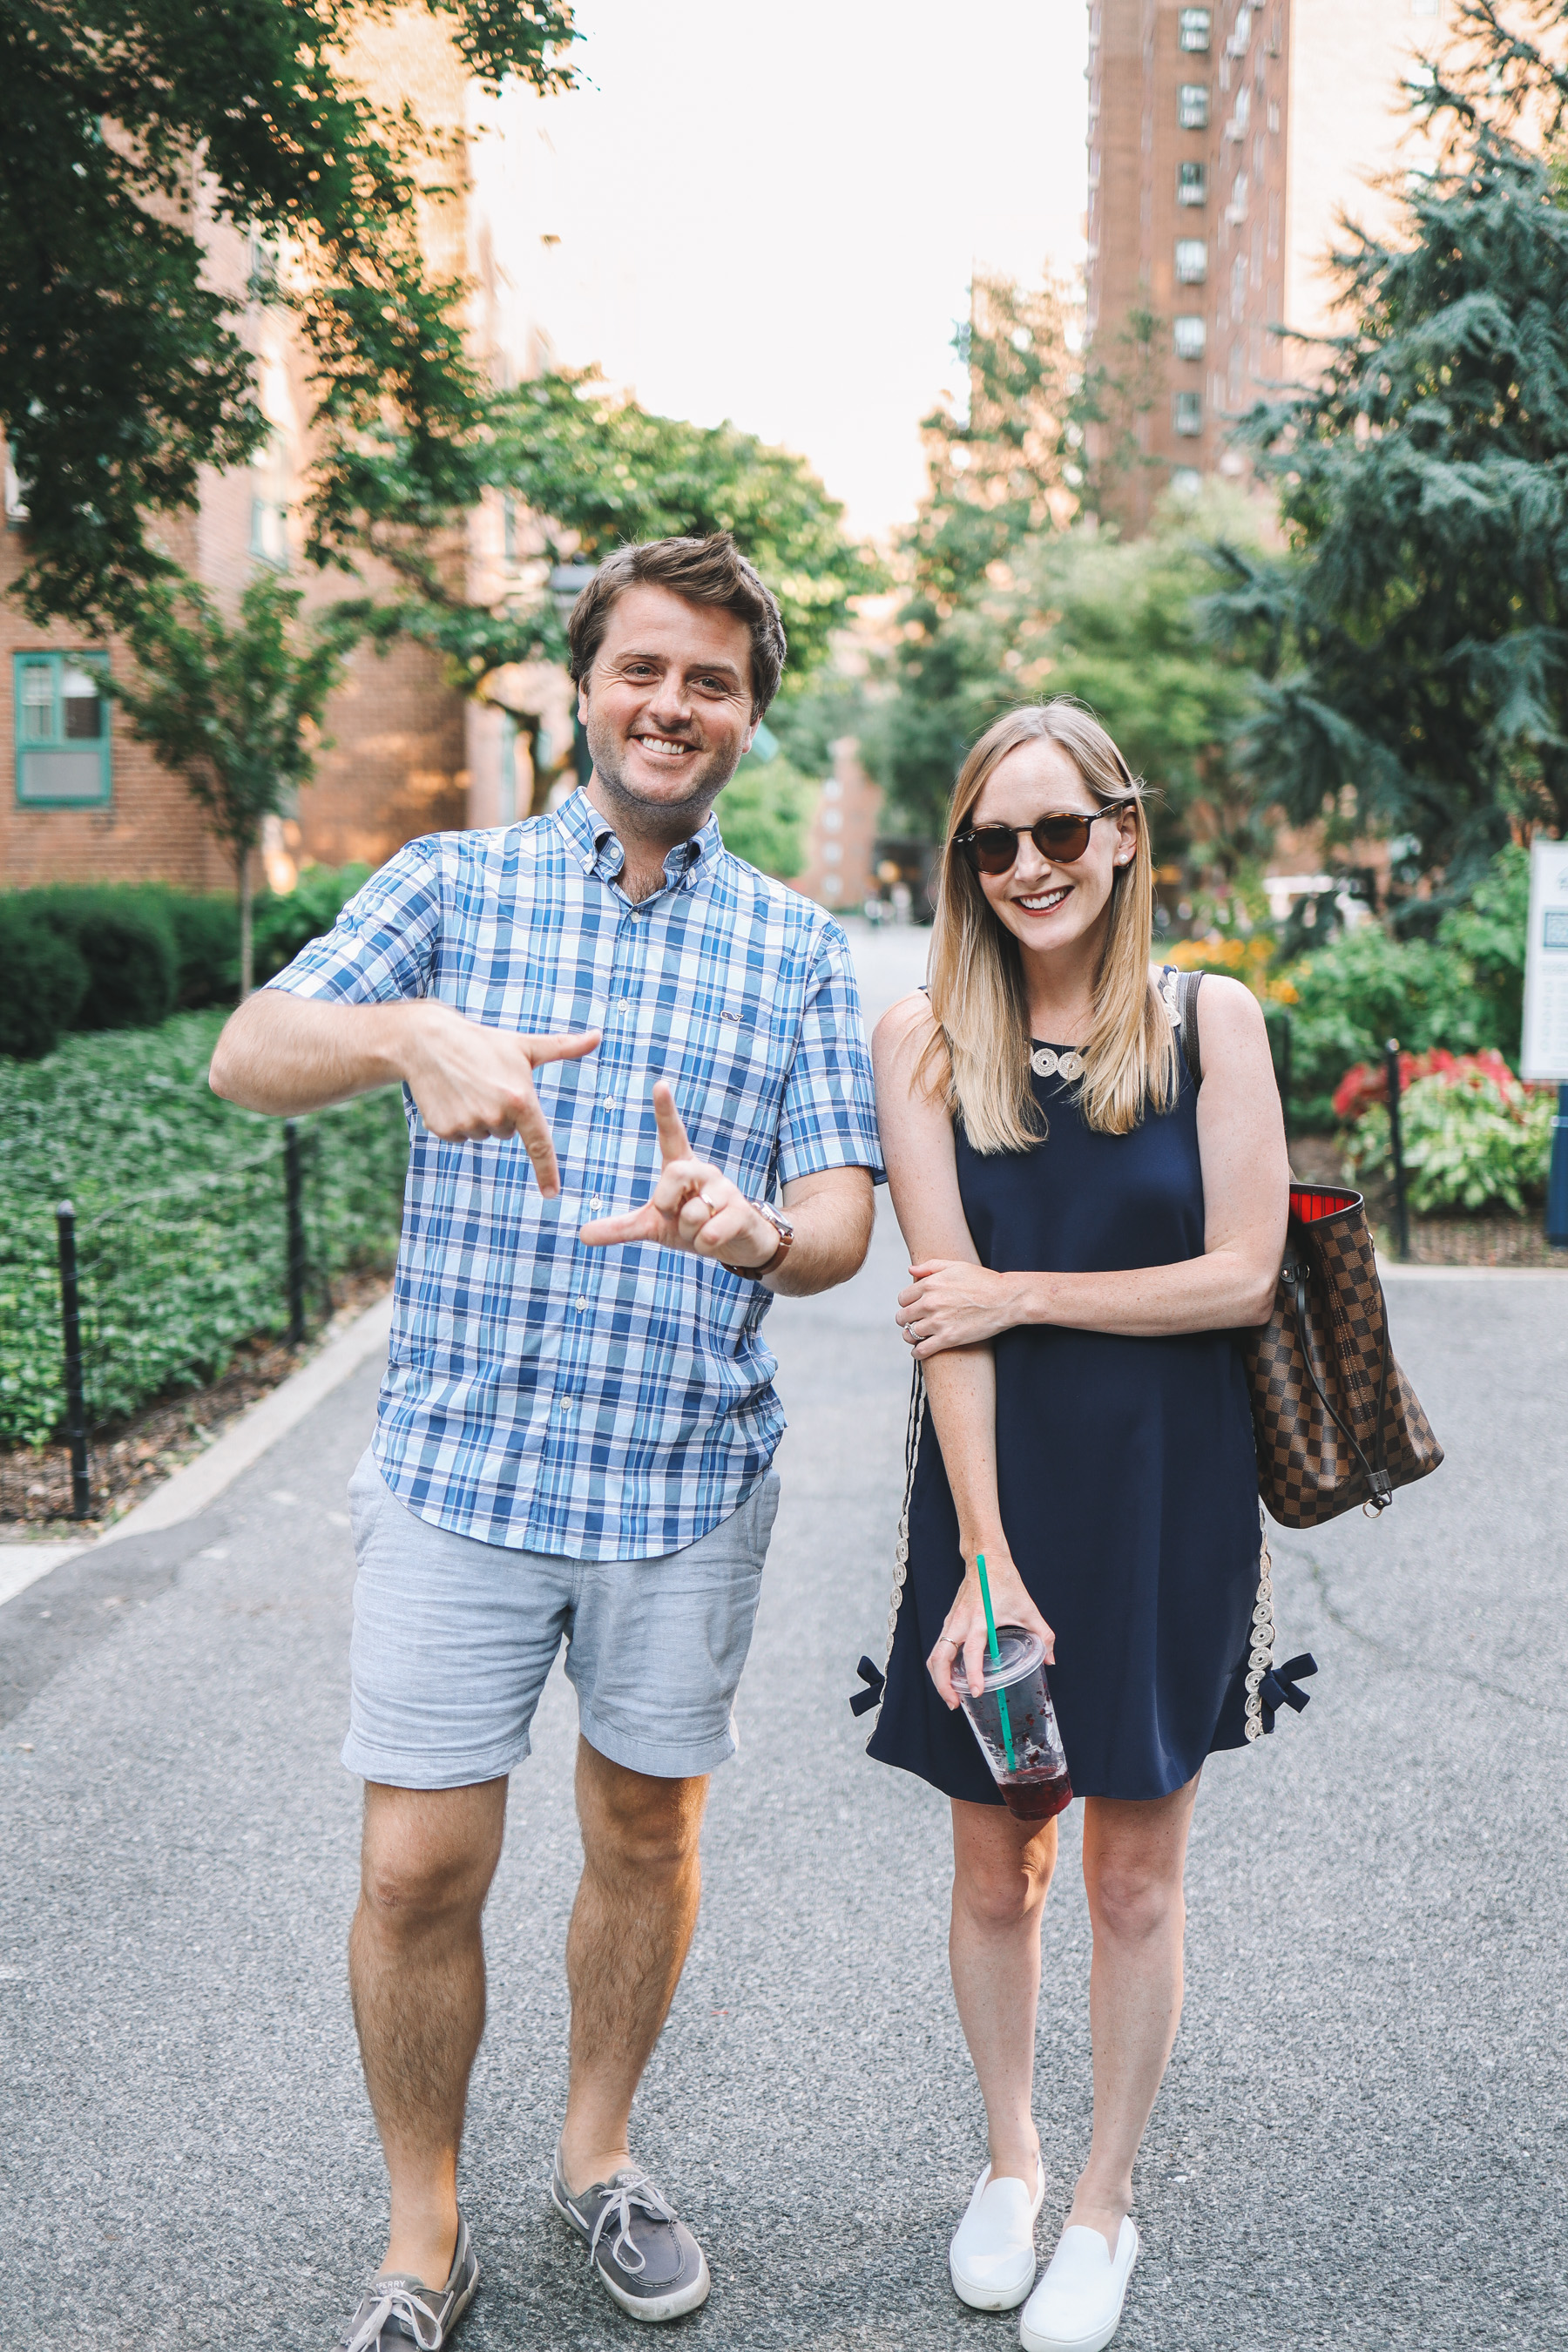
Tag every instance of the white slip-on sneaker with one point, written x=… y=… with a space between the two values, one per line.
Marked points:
x=1077 y=2308
x=991 y=2258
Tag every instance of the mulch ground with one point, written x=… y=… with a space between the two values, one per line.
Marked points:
x=1433 y=1241
x=128 y=1461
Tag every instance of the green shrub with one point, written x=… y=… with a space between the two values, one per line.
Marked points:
x=283 y=925
x=1471 y=1139
x=179 y=1207
x=126 y=941
x=43 y=980
x=206 y=940
x=1462 y=990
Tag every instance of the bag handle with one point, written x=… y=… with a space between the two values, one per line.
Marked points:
x=1187 y=985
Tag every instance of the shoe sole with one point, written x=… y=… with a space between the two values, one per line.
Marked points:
x=993 y=2298
x=650 y=2307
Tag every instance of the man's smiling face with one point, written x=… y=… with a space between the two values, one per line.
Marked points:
x=667 y=706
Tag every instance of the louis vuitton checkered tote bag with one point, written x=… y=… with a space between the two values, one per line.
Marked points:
x=1335 y=1420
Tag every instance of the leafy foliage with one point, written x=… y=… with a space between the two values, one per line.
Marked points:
x=595 y=470
x=1472 y=1137
x=763 y=814
x=1414 y=638
x=234 y=706
x=121 y=372
x=179 y=1198
x=1461 y=990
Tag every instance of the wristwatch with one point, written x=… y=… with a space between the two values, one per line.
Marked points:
x=786 y=1231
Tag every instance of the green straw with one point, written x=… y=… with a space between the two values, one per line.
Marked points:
x=996 y=1660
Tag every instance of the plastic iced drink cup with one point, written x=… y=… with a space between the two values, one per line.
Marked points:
x=1037 y=1787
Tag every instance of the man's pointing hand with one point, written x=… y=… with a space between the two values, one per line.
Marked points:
x=472 y=1081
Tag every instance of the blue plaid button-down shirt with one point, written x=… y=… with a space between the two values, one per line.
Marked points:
x=602 y=1403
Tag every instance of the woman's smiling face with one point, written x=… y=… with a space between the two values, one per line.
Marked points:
x=1047 y=904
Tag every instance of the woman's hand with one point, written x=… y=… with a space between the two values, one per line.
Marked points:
x=952 y=1302
x=964 y=1630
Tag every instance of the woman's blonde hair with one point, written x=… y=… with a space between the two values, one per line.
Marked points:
x=977 y=994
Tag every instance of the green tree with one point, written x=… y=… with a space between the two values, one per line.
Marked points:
x=594 y=470
x=1122 y=624
x=1040 y=448
x=121 y=372
x=1415 y=636
x=234 y=706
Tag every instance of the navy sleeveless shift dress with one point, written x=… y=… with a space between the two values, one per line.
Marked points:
x=1126 y=1474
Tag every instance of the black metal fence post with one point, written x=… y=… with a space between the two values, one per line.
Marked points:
x=1396 y=1145
x=292 y=1195
x=70 y=1328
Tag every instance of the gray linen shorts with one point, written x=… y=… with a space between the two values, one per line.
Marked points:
x=453 y=1641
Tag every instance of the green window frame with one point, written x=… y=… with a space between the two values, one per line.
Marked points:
x=63 y=758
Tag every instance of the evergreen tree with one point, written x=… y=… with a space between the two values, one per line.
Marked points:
x=1415 y=636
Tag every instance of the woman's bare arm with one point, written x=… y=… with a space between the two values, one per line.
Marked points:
x=961 y=1381
x=951 y=1302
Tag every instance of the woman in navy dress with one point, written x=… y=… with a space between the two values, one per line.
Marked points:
x=1087 y=1234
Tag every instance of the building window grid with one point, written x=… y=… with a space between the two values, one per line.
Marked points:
x=1192 y=29
x=1193 y=106
x=1191 y=183
x=62 y=730
x=1189 y=335
x=1188 y=413
x=1192 y=260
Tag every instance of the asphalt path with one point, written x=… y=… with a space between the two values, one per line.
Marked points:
x=1360 y=2140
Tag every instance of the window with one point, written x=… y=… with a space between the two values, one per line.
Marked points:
x=1191 y=183
x=1192 y=29
x=1188 y=413
x=1242 y=112
x=270 y=501
x=1193 y=106
x=62 y=730
x=1192 y=260
x=1189 y=332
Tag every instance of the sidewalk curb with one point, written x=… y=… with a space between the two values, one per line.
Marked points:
x=201 y=1481
x=191 y=1489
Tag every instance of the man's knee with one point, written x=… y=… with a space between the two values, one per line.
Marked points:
x=429 y=1855
x=632 y=1820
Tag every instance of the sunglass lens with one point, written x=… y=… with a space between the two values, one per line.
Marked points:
x=993 y=848
x=1064 y=838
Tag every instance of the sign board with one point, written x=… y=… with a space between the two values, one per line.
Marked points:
x=1544 y=1051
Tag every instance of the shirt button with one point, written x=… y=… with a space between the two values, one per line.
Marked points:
x=594 y=1203
x=581 y=1303
x=609 y=1102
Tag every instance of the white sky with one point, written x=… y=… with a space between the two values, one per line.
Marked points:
x=771 y=214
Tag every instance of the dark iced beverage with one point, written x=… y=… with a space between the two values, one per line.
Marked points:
x=1024 y=1752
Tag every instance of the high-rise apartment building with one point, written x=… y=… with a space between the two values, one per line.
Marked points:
x=1225 y=142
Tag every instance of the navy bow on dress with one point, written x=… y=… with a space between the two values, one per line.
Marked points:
x=863 y=1701
x=1277 y=1687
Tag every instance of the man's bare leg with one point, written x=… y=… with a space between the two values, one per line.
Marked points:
x=631 y=1928
x=417 y=1971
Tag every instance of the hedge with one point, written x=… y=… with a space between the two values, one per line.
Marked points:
x=127 y=955
x=185 y=1191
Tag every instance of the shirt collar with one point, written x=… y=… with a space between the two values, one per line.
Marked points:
x=598 y=849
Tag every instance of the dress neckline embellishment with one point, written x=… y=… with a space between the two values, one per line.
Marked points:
x=1053 y=1062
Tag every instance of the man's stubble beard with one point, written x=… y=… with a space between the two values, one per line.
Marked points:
x=680 y=818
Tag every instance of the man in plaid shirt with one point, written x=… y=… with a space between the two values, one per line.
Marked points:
x=617 y=1043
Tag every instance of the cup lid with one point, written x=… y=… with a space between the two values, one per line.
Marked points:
x=1019 y=1655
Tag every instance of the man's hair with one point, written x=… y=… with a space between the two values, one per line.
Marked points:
x=705 y=572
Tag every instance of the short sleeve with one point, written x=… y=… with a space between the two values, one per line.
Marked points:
x=382 y=945
x=829 y=1115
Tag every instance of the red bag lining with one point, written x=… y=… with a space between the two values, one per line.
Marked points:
x=1308 y=1206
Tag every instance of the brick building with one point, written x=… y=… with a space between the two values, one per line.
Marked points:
x=841 y=840
x=1224 y=143
x=82 y=800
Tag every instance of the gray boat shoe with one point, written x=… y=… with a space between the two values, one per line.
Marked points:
x=648 y=2258
x=399 y=2310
